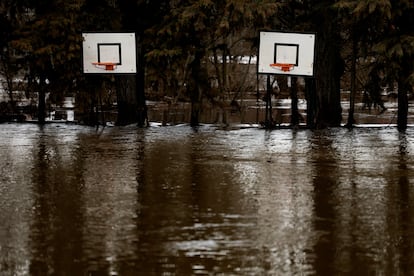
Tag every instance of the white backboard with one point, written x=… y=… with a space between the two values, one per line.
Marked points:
x=297 y=49
x=116 y=48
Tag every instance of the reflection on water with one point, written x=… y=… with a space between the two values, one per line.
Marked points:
x=180 y=201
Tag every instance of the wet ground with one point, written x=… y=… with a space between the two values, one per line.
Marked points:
x=176 y=200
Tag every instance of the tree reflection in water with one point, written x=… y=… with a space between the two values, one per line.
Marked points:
x=178 y=200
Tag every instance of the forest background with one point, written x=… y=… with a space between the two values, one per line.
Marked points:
x=187 y=50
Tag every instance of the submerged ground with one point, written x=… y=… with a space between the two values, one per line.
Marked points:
x=177 y=200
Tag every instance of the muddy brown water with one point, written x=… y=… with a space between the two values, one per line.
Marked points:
x=177 y=200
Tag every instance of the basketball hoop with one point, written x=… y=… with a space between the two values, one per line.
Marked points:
x=109 y=66
x=285 y=67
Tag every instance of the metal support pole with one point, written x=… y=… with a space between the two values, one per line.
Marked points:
x=268 y=118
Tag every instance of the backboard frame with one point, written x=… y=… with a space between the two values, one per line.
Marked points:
x=303 y=44
x=109 y=47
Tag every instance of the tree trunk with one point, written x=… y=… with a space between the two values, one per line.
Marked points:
x=132 y=106
x=311 y=102
x=197 y=83
x=126 y=100
x=402 y=103
x=268 y=111
x=10 y=88
x=41 y=108
x=351 y=120
x=140 y=87
x=195 y=112
x=329 y=68
x=294 y=120
x=88 y=104
x=130 y=89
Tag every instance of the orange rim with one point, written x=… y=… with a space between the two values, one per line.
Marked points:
x=285 y=67
x=108 y=65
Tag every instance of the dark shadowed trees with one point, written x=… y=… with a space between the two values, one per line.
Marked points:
x=329 y=65
x=189 y=43
x=194 y=31
x=136 y=16
x=49 y=41
x=384 y=32
x=323 y=91
x=8 y=69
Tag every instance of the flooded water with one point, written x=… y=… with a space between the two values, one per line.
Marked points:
x=176 y=200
